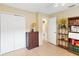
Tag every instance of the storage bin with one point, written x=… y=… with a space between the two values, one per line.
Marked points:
x=73 y=47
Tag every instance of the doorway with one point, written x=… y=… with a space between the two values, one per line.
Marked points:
x=44 y=29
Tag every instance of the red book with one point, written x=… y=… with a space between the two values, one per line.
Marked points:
x=77 y=43
x=73 y=41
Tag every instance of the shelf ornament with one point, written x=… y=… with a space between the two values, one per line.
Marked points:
x=62 y=23
x=34 y=26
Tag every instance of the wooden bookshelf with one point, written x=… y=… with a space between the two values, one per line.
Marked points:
x=73 y=46
x=63 y=34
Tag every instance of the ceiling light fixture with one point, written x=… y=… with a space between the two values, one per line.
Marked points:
x=72 y=6
x=59 y=4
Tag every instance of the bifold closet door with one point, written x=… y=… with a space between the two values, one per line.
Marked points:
x=12 y=32
x=7 y=39
x=19 y=32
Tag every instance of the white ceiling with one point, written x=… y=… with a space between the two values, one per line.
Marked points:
x=41 y=7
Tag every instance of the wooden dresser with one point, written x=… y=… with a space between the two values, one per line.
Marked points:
x=32 y=40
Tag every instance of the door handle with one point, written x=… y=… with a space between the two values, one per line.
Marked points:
x=54 y=32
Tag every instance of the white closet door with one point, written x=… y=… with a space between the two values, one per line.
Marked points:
x=19 y=32
x=12 y=32
x=0 y=33
x=3 y=35
x=52 y=30
x=7 y=42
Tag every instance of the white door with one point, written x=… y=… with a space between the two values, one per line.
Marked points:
x=19 y=32
x=7 y=42
x=12 y=32
x=52 y=30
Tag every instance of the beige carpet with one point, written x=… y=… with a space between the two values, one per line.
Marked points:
x=44 y=50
